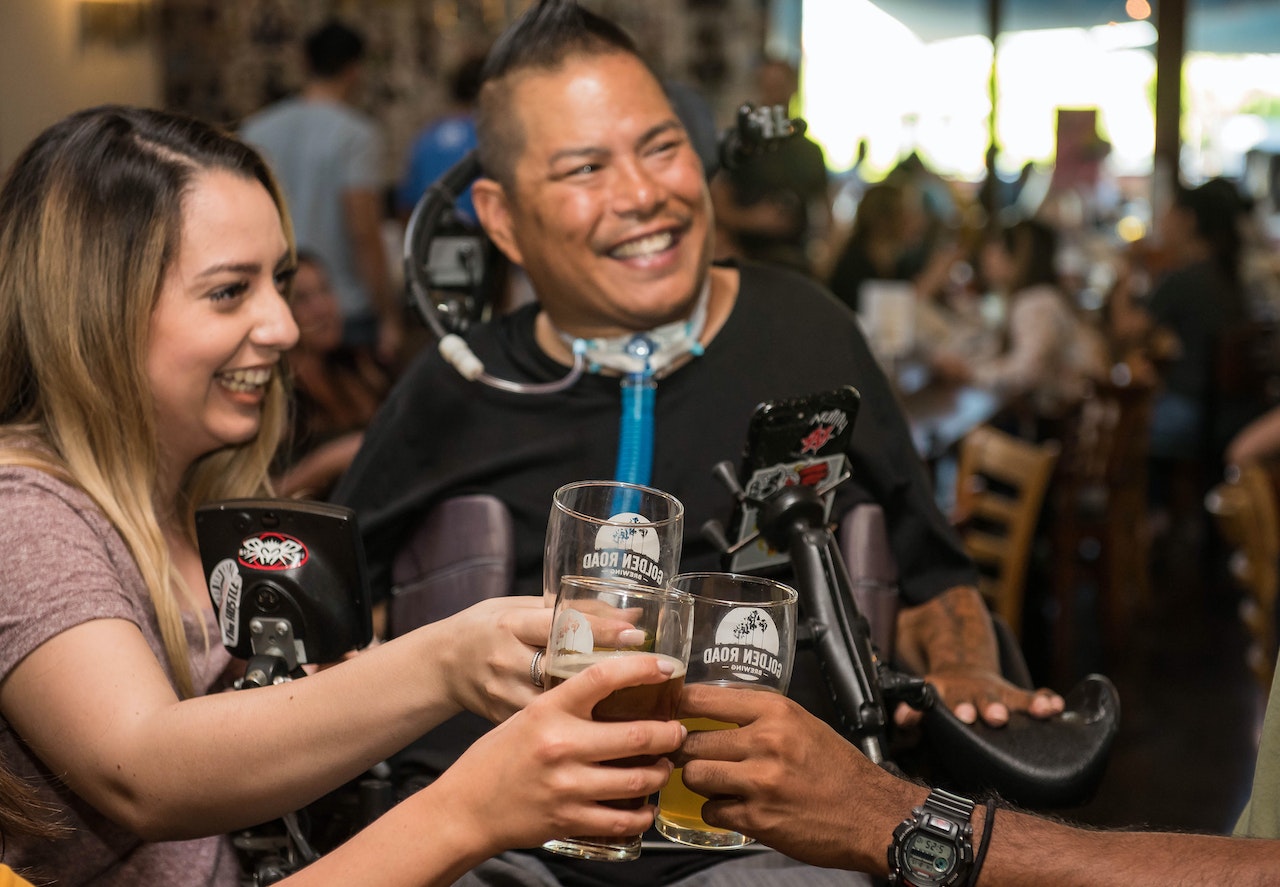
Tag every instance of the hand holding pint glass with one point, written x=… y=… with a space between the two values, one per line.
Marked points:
x=612 y=530
x=596 y=619
x=743 y=636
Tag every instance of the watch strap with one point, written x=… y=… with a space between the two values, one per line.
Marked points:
x=948 y=805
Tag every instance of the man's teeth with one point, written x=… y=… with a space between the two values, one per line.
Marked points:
x=645 y=246
x=245 y=380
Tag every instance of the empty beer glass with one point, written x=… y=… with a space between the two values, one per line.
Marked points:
x=612 y=530
x=743 y=636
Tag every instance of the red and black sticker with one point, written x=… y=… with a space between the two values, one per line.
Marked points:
x=272 y=551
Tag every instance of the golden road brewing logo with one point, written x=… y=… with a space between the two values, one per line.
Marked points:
x=629 y=547
x=746 y=645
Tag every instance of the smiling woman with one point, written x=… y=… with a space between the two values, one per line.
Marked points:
x=221 y=321
x=145 y=260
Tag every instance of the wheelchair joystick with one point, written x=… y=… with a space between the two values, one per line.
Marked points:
x=1040 y=764
x=792 y=519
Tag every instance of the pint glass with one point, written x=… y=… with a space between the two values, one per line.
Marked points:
x=596 y=619
x=743 y=636
x=612 y=530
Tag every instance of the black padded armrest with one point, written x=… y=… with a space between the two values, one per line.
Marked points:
x=1049 y=764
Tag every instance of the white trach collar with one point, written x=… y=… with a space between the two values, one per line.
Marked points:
x=650 y=352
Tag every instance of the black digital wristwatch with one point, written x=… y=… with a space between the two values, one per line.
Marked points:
x=933 y=847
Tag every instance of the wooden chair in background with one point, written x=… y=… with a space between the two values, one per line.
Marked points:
x=1000 y=485
x=1245 y=509
x=1099 y=513
x=1244 y=381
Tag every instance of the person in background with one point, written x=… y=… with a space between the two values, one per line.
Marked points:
x=930 y=196
x=1176 y=328
x=444 y=142
x=1196 y=299
x=1050 y=356
x=336 y=389
x=907 y=308
x=876 y=244
x=328 y=158
x=145 y=260
x=886 y=242
x=776 y=206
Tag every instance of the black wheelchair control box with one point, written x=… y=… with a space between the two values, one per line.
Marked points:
x=287 y=577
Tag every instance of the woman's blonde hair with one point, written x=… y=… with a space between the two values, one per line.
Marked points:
x=23 y=813
x=90 y=219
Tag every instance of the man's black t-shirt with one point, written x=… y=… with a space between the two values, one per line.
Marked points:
x=439 y=436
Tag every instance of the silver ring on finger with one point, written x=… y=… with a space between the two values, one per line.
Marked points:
x=535 y=669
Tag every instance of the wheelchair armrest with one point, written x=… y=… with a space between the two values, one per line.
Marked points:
x=873 y=575
x=1039 y=764
x=461 y=553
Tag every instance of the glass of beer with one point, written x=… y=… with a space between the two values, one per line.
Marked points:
x=596 y=619
x=744 y=635
x=612 y=530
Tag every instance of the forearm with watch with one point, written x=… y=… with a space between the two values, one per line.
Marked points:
x=1024 y=850
x=933 y=846
x=790 y=780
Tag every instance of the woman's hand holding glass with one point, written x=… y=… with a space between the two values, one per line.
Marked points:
x=484 y=653
x=538 y=775
x=600 y=620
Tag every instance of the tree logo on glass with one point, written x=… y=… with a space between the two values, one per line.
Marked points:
x=572 y=633
x=746 y=645
x=628 y=547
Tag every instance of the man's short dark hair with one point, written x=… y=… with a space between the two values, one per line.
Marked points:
x=332 y=48
x=464 y=84
x=540 y=40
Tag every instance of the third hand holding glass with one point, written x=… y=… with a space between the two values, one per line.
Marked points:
x=743 y=636
x=596 y=619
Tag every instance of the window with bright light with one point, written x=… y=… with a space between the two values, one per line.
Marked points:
x=867 y=76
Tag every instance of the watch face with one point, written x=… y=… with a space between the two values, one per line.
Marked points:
x=926 y=859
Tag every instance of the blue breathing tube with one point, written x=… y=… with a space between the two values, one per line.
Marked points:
x=635 y=432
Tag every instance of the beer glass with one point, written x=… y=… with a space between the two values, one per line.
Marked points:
x=612 y=530
x=744 y=631
x=599 y=618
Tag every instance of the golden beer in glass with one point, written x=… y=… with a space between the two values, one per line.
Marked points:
x=743 y=637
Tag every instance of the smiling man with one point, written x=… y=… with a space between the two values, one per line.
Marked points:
x=603 y=203
x=592 y=185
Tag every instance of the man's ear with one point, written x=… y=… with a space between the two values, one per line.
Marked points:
x=494 y=211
